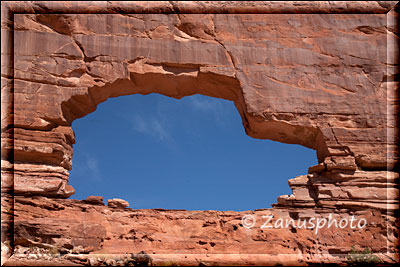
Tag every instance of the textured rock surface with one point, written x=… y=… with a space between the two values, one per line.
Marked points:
x=311 y=79
x=117 y=203
x=324 y=81
x=94 y=200
x=201 y=236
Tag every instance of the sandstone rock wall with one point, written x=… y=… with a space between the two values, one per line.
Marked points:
x=194 y=237
x=319 y=80
x=323 y=75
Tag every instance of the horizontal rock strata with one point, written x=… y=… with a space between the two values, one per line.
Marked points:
x=353 y=190
x=76 y=227
x=311 y=79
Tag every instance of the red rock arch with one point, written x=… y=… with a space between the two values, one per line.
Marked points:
x=78 y=61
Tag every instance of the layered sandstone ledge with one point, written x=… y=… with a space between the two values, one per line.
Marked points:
x=76 y=228
x=325 y=81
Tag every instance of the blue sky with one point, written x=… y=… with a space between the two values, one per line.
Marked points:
x=159 y=152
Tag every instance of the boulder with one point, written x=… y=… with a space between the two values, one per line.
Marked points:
x=96 y=200
x=117 y=203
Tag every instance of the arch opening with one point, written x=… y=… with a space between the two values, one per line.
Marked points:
x=180 y=80
x=189 y=154
x=141 y=76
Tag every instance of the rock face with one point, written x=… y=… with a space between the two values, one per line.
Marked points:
x=325 y=81
x=191 y=237
x=322 y=81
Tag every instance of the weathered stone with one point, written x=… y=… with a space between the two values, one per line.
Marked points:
x=117 y=203
x=316 y=168
x=341 y=163
x=95 y=200
x=220 y=55
x=310 y=190
x=163 y=234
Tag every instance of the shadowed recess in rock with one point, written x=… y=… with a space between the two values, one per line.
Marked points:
x=159 y=152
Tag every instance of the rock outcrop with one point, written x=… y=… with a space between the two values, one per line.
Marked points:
x=117 y=203
x=325 y=81
x=97 y=200
x=194 y=237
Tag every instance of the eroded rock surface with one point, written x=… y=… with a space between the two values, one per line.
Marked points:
x=117 y=203
x=98 y=200
x=75 y=227
x=319 y=80
x=325 y=81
